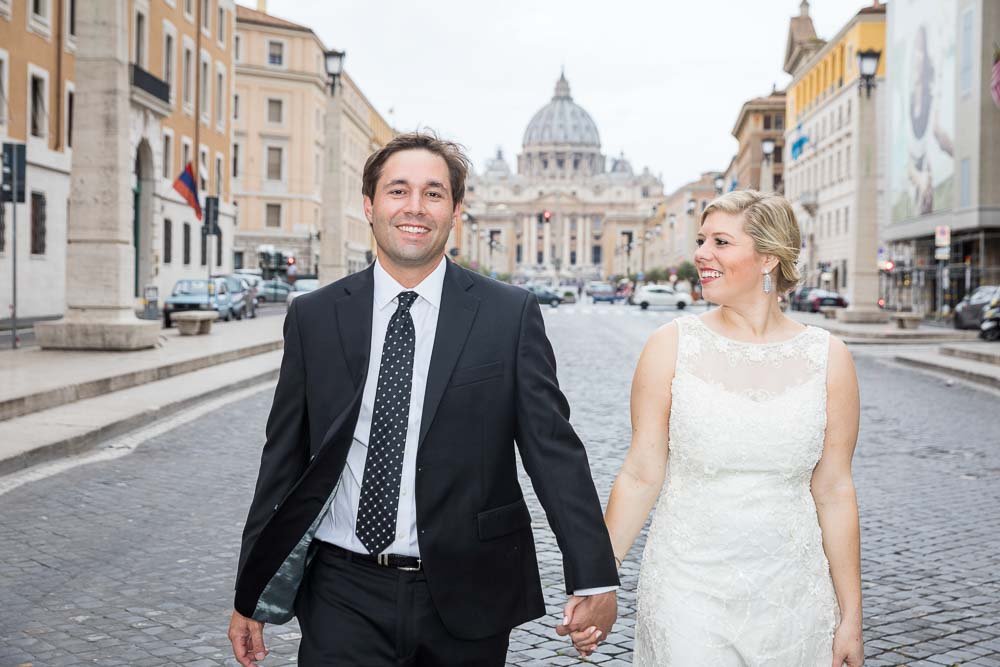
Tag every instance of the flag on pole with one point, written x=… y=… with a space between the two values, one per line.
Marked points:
x=188 y=188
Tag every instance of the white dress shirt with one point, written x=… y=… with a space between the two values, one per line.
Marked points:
x=337 y=527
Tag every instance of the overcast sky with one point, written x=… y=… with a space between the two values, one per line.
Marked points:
x=663 y=80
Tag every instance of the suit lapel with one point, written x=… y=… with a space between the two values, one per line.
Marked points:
x=354 y=323
x=458 y=311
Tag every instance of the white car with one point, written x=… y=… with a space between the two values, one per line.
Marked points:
x=660 y=295
x=301 y=286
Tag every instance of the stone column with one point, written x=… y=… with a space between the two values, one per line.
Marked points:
x=564 y=264
x=525 y=240
x=547 y=240
x=100 y=257
x=533 y=254
x=581 y=224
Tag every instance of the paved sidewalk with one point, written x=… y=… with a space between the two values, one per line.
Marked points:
x=884 y=333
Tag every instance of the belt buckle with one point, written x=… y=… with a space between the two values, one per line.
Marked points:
x=412 y=569
x=383 y=560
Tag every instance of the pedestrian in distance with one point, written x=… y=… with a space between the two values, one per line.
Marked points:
x=387 y=514
x=744 y=424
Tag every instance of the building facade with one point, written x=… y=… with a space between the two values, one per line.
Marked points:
x=760 y=119
x=675 y=234
x=181 y=70
x=834 y=169
x=943 y=205
x=37 y=63
x=278 y=141
x=563 y=215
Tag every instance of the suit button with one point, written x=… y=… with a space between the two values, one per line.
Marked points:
x=275 y=508
x=422 y=532
x=420 y=469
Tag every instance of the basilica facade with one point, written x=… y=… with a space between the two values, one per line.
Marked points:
x=564 y=215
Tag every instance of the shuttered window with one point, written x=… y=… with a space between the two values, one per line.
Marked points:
x=37 y=223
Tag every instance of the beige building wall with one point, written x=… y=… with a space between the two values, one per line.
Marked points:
x=760 y=118
x=279 y=114
x=39 y=47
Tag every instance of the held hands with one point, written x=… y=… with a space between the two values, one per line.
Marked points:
x=588 y=620
x=247 y=636
x=848 y=647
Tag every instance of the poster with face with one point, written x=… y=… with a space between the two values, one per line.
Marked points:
x=921 y=78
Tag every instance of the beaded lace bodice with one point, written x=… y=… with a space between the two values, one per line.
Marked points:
x=734 y=571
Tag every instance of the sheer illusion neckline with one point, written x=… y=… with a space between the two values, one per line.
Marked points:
x=715 y=333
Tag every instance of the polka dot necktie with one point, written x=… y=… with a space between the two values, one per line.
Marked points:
x=376 y=524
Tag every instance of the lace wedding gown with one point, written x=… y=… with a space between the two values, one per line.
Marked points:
x=734 y=573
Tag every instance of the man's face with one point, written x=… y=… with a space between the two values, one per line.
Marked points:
x=412 y=211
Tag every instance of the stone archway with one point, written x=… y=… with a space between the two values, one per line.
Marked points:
x=144 y=184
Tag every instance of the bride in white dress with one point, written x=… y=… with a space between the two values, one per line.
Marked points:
x=744 y=424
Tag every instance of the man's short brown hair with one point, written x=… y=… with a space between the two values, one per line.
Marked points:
x=450 y=152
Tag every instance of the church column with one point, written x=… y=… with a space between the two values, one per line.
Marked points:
x=581 y=233
x=565 y=241
x=526 y=240
x=533 y=247
x=547 y=240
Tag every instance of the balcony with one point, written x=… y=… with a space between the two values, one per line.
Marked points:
x=809 y=202
x=149 y=91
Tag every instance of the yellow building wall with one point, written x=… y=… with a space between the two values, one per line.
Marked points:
x=836 y=68
x=52 y=52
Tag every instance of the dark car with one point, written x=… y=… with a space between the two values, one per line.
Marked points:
x=799 y=299
x=545 y=295
x=190 y=294
x=821 y=298
x=274 y=289
x=969 y=311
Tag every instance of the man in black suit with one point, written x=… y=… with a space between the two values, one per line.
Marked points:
x=387 y=514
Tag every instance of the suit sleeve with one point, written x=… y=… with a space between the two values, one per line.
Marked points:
x=556 y=460
x=286 y=448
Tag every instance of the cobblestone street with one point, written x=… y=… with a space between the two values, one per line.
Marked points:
x=131 y=561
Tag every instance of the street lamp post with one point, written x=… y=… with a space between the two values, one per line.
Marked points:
x=332 y=261
x=720 y=184
x=863 y=240
x=766 y=167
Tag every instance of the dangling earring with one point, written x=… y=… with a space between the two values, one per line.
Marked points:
x=767 y=283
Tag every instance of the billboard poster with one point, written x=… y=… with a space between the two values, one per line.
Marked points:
x=921 y=80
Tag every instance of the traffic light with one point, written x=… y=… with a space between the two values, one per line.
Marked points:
x=889 y=265
x=547 y=215
x=291 y=260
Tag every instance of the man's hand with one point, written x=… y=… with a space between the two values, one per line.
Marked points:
x=247 y=636
x=589 y=618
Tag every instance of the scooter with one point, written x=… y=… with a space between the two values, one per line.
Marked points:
x=989 y=328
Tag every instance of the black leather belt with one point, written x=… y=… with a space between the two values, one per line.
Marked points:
x=407 y=563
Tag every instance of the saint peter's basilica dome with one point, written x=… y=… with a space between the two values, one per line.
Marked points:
x=562 y=121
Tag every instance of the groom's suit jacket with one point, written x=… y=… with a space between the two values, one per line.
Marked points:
x=491 y=384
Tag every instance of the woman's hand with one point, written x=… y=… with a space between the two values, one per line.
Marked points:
x=848 y=646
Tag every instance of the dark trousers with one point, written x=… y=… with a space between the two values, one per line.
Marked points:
x=357 y=613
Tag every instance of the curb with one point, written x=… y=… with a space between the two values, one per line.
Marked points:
x=964 y=374
x=53 y=398
x=85 y=442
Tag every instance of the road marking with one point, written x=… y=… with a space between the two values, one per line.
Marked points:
x=125 y=444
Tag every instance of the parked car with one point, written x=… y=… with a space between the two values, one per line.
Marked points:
x=301 y=286
x=660 y=295
x=799 y=299
x=820 y=298
x=605 y=292
x=241 y=296
x=274 y=289
x=190 y=294
x=545 y=295
x=968 y=312
x=589 y=289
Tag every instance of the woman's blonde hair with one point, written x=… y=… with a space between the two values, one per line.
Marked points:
x=770 y=222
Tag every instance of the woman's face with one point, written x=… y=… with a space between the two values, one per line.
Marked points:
x=730 y=268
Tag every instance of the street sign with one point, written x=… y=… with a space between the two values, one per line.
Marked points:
x=12 y=175
x=212 y=216
x=942 y=253
x=942 y=236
